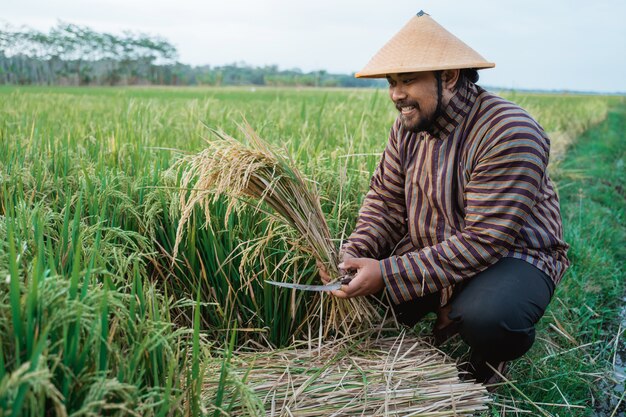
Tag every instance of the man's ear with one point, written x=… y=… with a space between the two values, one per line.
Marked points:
x=449 y=78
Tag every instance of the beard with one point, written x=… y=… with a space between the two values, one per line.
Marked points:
x=419 y=120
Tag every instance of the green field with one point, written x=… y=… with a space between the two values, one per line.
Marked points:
x=96 y=317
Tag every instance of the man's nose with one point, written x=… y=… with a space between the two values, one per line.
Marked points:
x=397 y=93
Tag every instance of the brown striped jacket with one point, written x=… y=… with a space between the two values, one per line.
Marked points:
x=446 y=204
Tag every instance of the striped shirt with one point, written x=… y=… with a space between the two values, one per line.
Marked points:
x=446 y=204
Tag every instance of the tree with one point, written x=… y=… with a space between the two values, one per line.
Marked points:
x=84 y=53
x=73 y=54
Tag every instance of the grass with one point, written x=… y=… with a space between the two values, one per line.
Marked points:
x=581 y=327
x=95 y=319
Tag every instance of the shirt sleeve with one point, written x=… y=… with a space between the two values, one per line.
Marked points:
x=502 y=190
x=382 y=218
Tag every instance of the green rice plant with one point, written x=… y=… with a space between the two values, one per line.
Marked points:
x=259 y=172
x=81 y=344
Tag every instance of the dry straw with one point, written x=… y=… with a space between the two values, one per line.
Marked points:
x=384 y=377
x=261 y=176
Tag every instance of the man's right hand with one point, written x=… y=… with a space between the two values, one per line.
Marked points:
x=324 y=275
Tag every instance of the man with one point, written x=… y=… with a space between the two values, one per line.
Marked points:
x=461 y=217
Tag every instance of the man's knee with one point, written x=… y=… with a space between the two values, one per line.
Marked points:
x=493 y=330
x=497 y=309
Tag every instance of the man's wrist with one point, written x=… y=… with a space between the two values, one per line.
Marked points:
x=382 y=275
x=390 y=279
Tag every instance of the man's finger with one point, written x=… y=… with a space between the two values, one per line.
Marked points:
x=339 y=294
x=323 y=273
x=350 y=263
x=344 y=292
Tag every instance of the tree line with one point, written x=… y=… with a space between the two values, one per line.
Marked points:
x=70 y=54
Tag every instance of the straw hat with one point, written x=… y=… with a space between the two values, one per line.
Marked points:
x=422 y=45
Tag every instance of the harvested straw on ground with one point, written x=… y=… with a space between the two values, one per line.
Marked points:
x=258 y=174
x=366 y=377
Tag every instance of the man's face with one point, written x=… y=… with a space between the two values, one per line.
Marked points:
x=415 y=97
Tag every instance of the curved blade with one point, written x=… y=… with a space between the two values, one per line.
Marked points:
x=329 y=287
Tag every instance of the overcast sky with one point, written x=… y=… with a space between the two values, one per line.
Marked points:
x=555 y=44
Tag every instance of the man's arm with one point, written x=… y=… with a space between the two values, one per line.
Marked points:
x=500 y=197
x=382 y=217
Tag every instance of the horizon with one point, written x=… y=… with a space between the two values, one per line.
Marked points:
x=314 y=37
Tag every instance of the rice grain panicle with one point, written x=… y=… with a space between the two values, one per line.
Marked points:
x=259 y=175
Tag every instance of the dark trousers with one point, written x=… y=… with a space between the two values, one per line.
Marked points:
x=495 y=311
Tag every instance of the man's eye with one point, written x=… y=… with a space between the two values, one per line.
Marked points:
x=408 y=80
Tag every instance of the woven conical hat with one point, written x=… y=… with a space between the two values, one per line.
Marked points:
x=422 y=45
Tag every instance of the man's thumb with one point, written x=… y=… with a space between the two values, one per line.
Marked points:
x=351 y=263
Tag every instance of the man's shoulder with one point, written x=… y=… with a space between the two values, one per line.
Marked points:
x=495 y=121
x=490 y=108
x=495 y=114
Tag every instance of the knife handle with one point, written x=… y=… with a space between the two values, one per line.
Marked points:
x=345 y=280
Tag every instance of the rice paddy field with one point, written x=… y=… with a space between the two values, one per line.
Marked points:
x=97 y=317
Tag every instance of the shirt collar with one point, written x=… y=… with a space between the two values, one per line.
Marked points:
x=456 y=110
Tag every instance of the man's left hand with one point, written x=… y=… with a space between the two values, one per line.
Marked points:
x=368 y=279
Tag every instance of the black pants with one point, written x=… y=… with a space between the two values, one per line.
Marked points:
x=495 y=311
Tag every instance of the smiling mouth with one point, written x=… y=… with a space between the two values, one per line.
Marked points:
x=405 y=110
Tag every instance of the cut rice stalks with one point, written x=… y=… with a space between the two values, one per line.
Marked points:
x=371 y=377
x=259 y=175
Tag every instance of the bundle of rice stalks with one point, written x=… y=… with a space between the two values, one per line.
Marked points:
x=260 y=176
x=389 y=376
